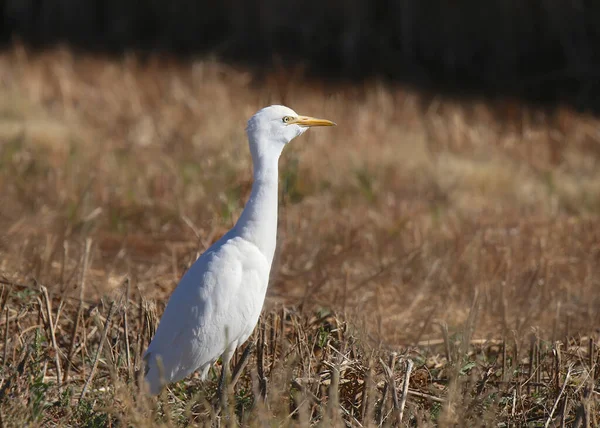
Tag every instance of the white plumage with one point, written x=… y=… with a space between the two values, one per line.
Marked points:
x=217 y=303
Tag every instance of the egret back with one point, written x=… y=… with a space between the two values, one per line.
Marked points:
x=214 y=308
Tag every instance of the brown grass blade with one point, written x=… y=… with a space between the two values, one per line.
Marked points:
x=51 y=326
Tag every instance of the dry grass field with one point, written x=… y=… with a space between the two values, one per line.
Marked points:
x=462 y=236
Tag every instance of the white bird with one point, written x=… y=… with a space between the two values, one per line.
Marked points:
x=218 y=301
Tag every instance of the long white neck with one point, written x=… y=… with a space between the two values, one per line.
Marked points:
x=258 y=222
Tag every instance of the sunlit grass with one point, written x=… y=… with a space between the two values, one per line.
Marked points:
x=435 y=230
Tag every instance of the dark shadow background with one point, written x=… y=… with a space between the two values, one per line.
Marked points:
x=544 y=51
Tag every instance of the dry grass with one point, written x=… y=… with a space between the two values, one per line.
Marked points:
x=463 y=236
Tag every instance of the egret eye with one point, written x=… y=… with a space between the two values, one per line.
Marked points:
x=287 y=119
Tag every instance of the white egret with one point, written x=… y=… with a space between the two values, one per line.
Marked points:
x=218 y=301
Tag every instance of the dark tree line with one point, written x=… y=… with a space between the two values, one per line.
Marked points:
x=544 y=50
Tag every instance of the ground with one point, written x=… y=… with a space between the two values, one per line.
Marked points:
x=460 y=235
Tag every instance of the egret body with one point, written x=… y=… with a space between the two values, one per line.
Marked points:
x=218 y=301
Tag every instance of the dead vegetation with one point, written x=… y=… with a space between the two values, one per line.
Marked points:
x=77 y=364
x=460 y=237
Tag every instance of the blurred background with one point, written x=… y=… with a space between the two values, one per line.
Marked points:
x=464 y=167
x=543 y=51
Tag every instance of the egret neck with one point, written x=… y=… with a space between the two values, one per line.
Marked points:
x=258 y=222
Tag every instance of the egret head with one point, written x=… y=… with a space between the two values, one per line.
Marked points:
x=273 y=127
